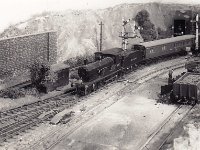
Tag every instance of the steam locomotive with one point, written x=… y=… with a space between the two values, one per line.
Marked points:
x=112 y=63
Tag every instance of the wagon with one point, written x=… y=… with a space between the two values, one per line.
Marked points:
x=61 y=77
x=187 y=87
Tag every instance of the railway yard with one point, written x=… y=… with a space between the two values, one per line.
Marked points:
x=140 y=96
x=125 y=114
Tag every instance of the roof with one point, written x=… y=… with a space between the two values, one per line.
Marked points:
x=97 y=64
x=113 y=51
x=167 y=40
x=189 y=78
x=60 y=66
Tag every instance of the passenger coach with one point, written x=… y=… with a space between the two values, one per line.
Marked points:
x=163 y=47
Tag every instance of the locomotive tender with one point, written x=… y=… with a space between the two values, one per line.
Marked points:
x=114 y=62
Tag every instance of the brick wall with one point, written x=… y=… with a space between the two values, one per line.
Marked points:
x=18 y=53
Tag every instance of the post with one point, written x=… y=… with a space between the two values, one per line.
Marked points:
x=101 y=27
x=197 y=33
x=48 y=57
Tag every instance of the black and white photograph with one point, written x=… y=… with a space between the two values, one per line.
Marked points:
x=99 y=75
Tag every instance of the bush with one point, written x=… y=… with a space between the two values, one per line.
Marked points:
x=14 y=93
x=74 y=75
x=40 y=74
x=148 y=31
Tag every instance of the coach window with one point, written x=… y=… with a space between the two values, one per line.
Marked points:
x=163 y=48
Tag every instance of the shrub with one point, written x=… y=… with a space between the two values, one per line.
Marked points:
x=74 y=75
x=13 y=93
x=40 y=74
x=148 y=31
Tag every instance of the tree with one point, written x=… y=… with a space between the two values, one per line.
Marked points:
x=39 y=73
x=142 y=16
x=148 y=31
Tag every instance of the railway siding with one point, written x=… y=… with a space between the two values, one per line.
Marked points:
x=160 y=135
x=131 y=86
x=66 y=131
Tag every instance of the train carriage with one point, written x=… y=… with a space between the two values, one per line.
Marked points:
x=163 y=47
x=60 y=77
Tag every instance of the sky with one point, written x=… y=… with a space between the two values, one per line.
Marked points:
x=13 y=11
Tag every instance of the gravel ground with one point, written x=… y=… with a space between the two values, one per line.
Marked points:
x=146 y=94
x=187 y=135
x=131 y=120
x=7 y=103
x=125 y=125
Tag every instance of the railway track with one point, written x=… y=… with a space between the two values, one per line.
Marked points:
x=59 y=134
x=13 y=121
x=167 y=137
x=158 y=138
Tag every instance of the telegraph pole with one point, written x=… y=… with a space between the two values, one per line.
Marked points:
x=197 y=33
x=101 y=28
x=196 y=21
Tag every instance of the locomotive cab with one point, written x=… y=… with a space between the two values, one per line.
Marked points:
x=98 y=56
x=114 y=53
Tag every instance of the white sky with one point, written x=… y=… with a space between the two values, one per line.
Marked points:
x=13 y=11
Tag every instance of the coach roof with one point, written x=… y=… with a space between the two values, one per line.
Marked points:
x=167 y=40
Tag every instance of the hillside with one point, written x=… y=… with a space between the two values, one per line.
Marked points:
x=78 y=31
